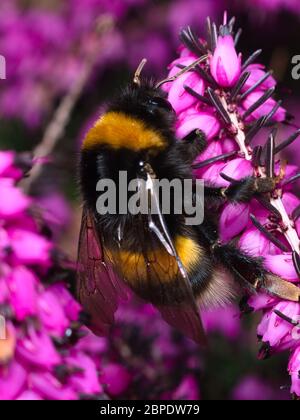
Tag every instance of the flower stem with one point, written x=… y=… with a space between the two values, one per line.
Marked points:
x=239 y=132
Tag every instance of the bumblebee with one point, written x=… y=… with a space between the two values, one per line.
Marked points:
x=176 y=267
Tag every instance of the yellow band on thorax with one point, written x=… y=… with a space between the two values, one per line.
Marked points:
x=119 y=130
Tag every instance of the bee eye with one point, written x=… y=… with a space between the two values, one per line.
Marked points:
x=160 y=103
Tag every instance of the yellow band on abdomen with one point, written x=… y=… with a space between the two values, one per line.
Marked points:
x=134 y=267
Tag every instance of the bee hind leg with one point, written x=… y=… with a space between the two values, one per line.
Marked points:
x=277 y=287
x=250 y=273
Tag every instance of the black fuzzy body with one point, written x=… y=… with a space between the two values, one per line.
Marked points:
x=174 y=161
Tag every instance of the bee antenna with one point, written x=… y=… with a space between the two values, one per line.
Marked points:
x=137 y=74
x=183 y=71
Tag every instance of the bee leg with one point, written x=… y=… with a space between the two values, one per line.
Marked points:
x=192 y=145
x=251 y=275
x=246 y=270
x=277 y=287
x=241 y=191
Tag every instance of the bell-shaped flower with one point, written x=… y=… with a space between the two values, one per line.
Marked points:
x=225 y=63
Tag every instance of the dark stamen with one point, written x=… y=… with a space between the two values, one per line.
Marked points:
x=239 y=85
x=270 y=161
x=254 y=130
x=291 y=180
x=264 y=352
x=197 y=95
x=209 y=34
x=287 y=142
x=190 y=40
x=271 y=114
x=237 y=36
x=229 y=179
x=259 y=102
x=296 y=213
x=213 y=160
x=267 y=205
x=296 y=262
x=256 y=85
x=219 y=106
x=231 y=24
x=268 y=234
x=251 y=59
x=256 y=156
x=286 y=318
x=206 y=76
x=214 y=36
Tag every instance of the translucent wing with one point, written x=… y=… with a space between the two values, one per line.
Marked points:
x=153 y=271
x=99 y=288
x=156 y=273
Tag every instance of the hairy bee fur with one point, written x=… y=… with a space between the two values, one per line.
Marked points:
x=139 y=126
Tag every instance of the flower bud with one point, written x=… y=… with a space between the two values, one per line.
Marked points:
x=225 y=64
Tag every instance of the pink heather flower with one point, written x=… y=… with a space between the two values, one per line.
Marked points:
x=70 y=306
x=257 y=72
x=177 y=95
x=255 y=243
x=116 y=379
x=227 y=127
x=52 y=314
x=91 y=344
x=28 y=247
x=44 y=50
x=15 y=201
x=22 y=285
x=294 y=370
x=29 y=396
x=12 y=381
x=264 y=109
x=262 y=301
x=212 y=174
x=85 y=381
x=277 y=5
x=35 y=363
x=187 y=390
x=56 y=212
x=237 y=169
x=225 y=64
x=276 y=331
x=224 y=320
x=252 y=388
x=46 y=385
x=181 y=16
x=198 y=120
x=233 y=220
x=282 y=265
x=213 y=149
x=37 y=349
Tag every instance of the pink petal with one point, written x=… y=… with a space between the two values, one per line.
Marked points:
x=234 y=219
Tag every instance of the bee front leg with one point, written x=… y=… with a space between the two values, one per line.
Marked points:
x=192 y=146
x=241 y=191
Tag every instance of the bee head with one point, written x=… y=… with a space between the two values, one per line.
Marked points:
x=148 y=103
